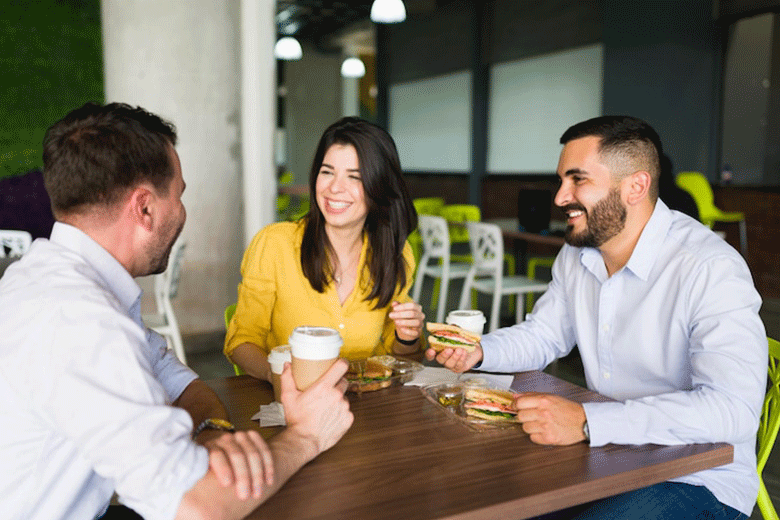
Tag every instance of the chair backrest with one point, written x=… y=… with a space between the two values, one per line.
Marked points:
x=770 y=415
x=435 y=238
x=230 y=310
x=699 y=187
x=460 y=214
x=487 y=248
x=14 y=243
x=166 y=284
x=428 y=205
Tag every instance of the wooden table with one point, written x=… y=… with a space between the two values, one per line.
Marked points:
x=406 y=458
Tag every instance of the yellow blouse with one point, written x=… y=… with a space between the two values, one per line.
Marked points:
x=274 y=297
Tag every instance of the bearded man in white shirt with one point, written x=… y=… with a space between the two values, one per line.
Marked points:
x=665 y=317
x=94 y=402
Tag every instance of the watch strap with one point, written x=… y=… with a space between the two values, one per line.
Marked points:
x=214 y=424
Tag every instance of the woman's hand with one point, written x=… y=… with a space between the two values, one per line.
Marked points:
x=409 y=319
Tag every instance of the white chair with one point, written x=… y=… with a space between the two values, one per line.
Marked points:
x=14 y=243
x=436 y=246
x=166 y=286
x=487 y=273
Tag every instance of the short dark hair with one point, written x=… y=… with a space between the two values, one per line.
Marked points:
x=627 y=139
x=94 y=154
x=391 y=214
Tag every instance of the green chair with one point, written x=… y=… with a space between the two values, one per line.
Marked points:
x=533 y=263
x=699 y=187
x=283 y=200
x=768 y=428
x=457 y=215
x=423 y=206
x=230 y=310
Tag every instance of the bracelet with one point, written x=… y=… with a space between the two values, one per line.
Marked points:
x=407 y=342
x=214 y=424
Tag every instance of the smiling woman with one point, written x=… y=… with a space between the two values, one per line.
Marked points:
x=346 y=265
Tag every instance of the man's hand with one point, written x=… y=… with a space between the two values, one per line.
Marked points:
x=456 y=359
x=321 y=412
x=550 y=419
x=241 y=459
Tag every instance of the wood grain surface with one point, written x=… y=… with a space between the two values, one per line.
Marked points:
x=404 y=457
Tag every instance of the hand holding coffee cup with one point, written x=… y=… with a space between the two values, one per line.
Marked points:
x=277 y=358
x=314 y=350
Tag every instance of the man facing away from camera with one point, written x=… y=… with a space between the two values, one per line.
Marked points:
x=94 y=402
x=665 y=317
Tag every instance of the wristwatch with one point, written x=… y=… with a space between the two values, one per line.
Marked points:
x=214 y=424
x=586 y=431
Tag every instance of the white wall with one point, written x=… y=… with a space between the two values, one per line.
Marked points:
x=181 y=60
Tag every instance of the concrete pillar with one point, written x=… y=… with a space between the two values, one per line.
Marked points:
x=183 y=60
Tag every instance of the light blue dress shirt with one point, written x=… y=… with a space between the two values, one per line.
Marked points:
x=674 y=337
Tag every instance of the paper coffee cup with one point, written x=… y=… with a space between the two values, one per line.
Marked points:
x=314 y=350
x=277 y=358
x=470 y=320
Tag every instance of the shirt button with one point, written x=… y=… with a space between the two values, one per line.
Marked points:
x=605 y=328
x=341 y=325
x=606 y=375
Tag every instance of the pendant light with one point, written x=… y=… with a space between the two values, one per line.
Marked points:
x=353 y=68
x=288 y=49
x=388 y=11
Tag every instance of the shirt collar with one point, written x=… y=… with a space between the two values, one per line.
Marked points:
x=645 y=252
x=114 y=275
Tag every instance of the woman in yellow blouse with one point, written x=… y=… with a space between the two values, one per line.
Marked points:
x=345 y=265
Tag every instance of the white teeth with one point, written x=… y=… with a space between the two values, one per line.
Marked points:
x=575 y=214
x=337 y=205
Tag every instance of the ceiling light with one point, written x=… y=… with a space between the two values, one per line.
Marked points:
x=288 y=48
x=353 y=68
x=388 y=11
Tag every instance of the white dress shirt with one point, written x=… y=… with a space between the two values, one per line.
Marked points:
x=85 y=390
x=674 y=337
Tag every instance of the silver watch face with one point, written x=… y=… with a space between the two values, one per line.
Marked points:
x=586 y=431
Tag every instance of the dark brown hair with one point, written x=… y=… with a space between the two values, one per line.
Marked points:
x=391 y=215
x=96 y=153
x=624 y=138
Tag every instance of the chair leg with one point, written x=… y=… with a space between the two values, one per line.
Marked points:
x=495 y=310
x=743 y=238
x=445 y=283
x=765 y=502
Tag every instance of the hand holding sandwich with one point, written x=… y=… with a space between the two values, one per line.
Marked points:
x=453 y=347
x=550 y=419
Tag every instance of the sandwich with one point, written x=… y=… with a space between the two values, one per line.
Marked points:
x=368 y=375
x=489 y=404
x=443 y=336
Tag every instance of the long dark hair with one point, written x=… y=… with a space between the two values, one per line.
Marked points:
x=391 y=214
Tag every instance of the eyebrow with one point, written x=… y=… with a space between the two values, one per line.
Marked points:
x=326 y=165
x=574 y=171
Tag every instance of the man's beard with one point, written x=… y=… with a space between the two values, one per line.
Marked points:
x=606 y=219
x=160 y=254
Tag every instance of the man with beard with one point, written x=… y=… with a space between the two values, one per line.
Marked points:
x=93 y=402
x=665 y=316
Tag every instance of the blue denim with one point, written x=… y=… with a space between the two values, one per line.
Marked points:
x=664 y=501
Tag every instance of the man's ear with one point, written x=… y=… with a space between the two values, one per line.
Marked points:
x=140 y=206
x=638 y=186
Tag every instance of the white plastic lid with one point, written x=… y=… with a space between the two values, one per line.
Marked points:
x=315 y=343
x=471 y=320
x=278 y=357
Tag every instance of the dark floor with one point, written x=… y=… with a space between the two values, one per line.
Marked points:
x=204 y=355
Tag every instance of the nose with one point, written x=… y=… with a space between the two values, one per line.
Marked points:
x=563 y=196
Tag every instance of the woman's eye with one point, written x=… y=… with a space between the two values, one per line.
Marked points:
x=355 y=177
x=325 y=172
